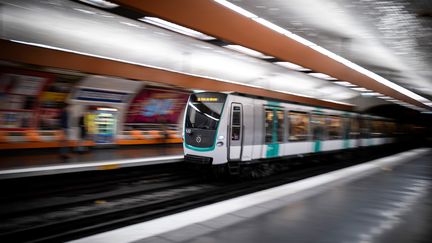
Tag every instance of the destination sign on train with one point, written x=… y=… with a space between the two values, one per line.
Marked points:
x=207 y=99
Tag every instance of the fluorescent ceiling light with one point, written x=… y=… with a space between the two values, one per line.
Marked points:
x=326 y=52
x=129 y=24
x=177 y=28
x=370 y=94
x=236 y=9
x=361 y=89
x=338 y=102
x=371 y=75
x=292 y=66
x=385 y=97
x=270 y=25
x=300 y=39
x=291 y=93
x=106 y=109
x=100 y=3
x=84 y=11
x=345 y=83
x=247 y=51
x=198 y=90
x=322 y=76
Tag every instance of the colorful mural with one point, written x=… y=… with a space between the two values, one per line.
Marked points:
x=156 y=106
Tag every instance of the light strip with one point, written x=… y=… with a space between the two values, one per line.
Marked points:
x=247 y=51
x=371 y=94
x=292 y=66
x=360 y=89
x=300 y=39
x=101 y=3
x=236 y=8
x=270 y=25
x=345 y=83
x=198 y=90
x=328 y=53
x=322 y=76
x=177 y=28
x=372 y=75
x=106 y=109
x=385 y=97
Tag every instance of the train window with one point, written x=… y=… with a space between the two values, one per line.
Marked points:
x=269 y=125
x=299 y=126
x=236 y=118
x=345 y=127
x=391 y=129
x=378 y=128
x=355 y=129
x=204 y=112
x=280 y=125
x=334 y=127
x=274 y=126
x=364 y=128
x=236 y=122
x=318 y=127
x=235 y=133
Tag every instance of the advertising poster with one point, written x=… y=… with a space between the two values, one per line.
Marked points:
x=156 y=106
x=52 y=99
x=19 y=94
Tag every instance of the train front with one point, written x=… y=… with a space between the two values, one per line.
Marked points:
x=205 y=129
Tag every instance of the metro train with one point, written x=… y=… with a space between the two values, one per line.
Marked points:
x=231 y=130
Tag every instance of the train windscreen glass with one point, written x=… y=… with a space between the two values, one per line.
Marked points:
x=204 y=110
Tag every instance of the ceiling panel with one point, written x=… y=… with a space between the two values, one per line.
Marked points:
x=390 y=37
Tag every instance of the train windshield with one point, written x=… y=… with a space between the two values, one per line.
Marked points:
x=204 y=110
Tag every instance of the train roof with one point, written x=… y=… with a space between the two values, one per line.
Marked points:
x=298 y=103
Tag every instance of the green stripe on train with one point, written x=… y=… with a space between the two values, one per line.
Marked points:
x=317 y=143
x=317 y=146
x=272 y=150
x=346 y=132
x=273 y=147
x=346 y=143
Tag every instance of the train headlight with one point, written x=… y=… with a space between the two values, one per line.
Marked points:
x=221 y=137
x=219 y=144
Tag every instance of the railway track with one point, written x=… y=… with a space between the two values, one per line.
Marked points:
x=94 y=210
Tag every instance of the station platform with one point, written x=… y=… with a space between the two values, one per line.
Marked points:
x=45 y=162
x=385 y=200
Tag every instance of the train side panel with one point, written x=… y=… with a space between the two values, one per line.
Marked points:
x=252 y=129
x=258 y=129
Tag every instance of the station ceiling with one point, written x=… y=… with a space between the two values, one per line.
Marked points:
x=389 y=38
x=385 y=37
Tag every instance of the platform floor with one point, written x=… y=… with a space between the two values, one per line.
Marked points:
x=385 y=200
x=26 y=163
x=394 y=205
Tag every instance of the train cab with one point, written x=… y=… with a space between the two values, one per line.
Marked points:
x=204 y=129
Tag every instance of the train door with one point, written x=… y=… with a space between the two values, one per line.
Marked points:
x=236 y=132
x=274 y=131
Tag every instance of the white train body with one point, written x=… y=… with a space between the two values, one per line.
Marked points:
x=220 y=128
